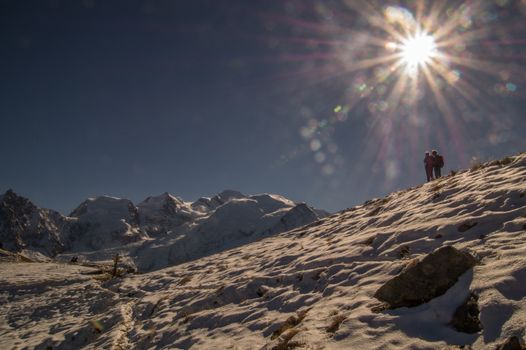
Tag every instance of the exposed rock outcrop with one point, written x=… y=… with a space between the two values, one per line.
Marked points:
x=25 y=226
x=427 y=279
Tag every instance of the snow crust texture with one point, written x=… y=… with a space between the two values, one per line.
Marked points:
x=308 y=288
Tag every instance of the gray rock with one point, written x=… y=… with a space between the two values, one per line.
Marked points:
x=427 y=279
x=466 y=317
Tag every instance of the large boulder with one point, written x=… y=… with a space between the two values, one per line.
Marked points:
x=427 y=279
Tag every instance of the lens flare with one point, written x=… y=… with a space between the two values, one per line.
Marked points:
x=417 y=51
x=421 y=73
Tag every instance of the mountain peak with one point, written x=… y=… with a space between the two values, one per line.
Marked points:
x=227 y=195
x=10 y=198
x=8 y=192
x=102 y=204
x=162 y=198
x=230 y=193
x=24 y=225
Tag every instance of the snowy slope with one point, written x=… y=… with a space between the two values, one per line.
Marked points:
x=309 y=288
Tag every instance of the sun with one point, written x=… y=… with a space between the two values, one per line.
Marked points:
x=417 y=51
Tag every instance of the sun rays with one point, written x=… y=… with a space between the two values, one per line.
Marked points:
x=415 y=73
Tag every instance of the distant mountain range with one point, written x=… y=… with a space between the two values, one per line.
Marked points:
x=160 y=231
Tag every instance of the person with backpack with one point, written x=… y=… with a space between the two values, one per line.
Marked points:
x=438 y=163
x=428 y=165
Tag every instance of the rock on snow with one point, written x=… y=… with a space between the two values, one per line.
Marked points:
x=426 y=279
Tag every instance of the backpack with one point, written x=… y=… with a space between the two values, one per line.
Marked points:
x=440 y=161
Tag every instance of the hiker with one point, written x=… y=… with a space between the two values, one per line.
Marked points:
x=438 y=163
x=428 y=164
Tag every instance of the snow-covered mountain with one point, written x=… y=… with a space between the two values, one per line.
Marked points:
x=24 y=226
x=207 y=204
x=103 y=222
x=165 y=214
x=227 y=220
x=438 y=266
x=160 y=231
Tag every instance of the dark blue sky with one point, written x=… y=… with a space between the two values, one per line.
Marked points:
x=134 y=98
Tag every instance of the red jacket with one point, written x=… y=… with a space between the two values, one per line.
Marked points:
x=429 y=161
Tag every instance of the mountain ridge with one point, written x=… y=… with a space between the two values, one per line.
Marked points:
x=112 y=225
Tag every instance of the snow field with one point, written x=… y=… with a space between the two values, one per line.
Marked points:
x=311 y=287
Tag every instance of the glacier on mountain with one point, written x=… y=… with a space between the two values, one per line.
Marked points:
x=160 y=231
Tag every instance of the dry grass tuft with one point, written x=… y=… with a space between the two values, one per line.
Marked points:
x=335 y=323
x=186 y=317
x=404 y=252
x=475 y=165
x=369 y=241
x=185 y=280
x=285 y=343
x=103 y=277
x=435 y=187
x=290 y=323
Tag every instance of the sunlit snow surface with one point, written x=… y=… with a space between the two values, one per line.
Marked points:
x=237 y=299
